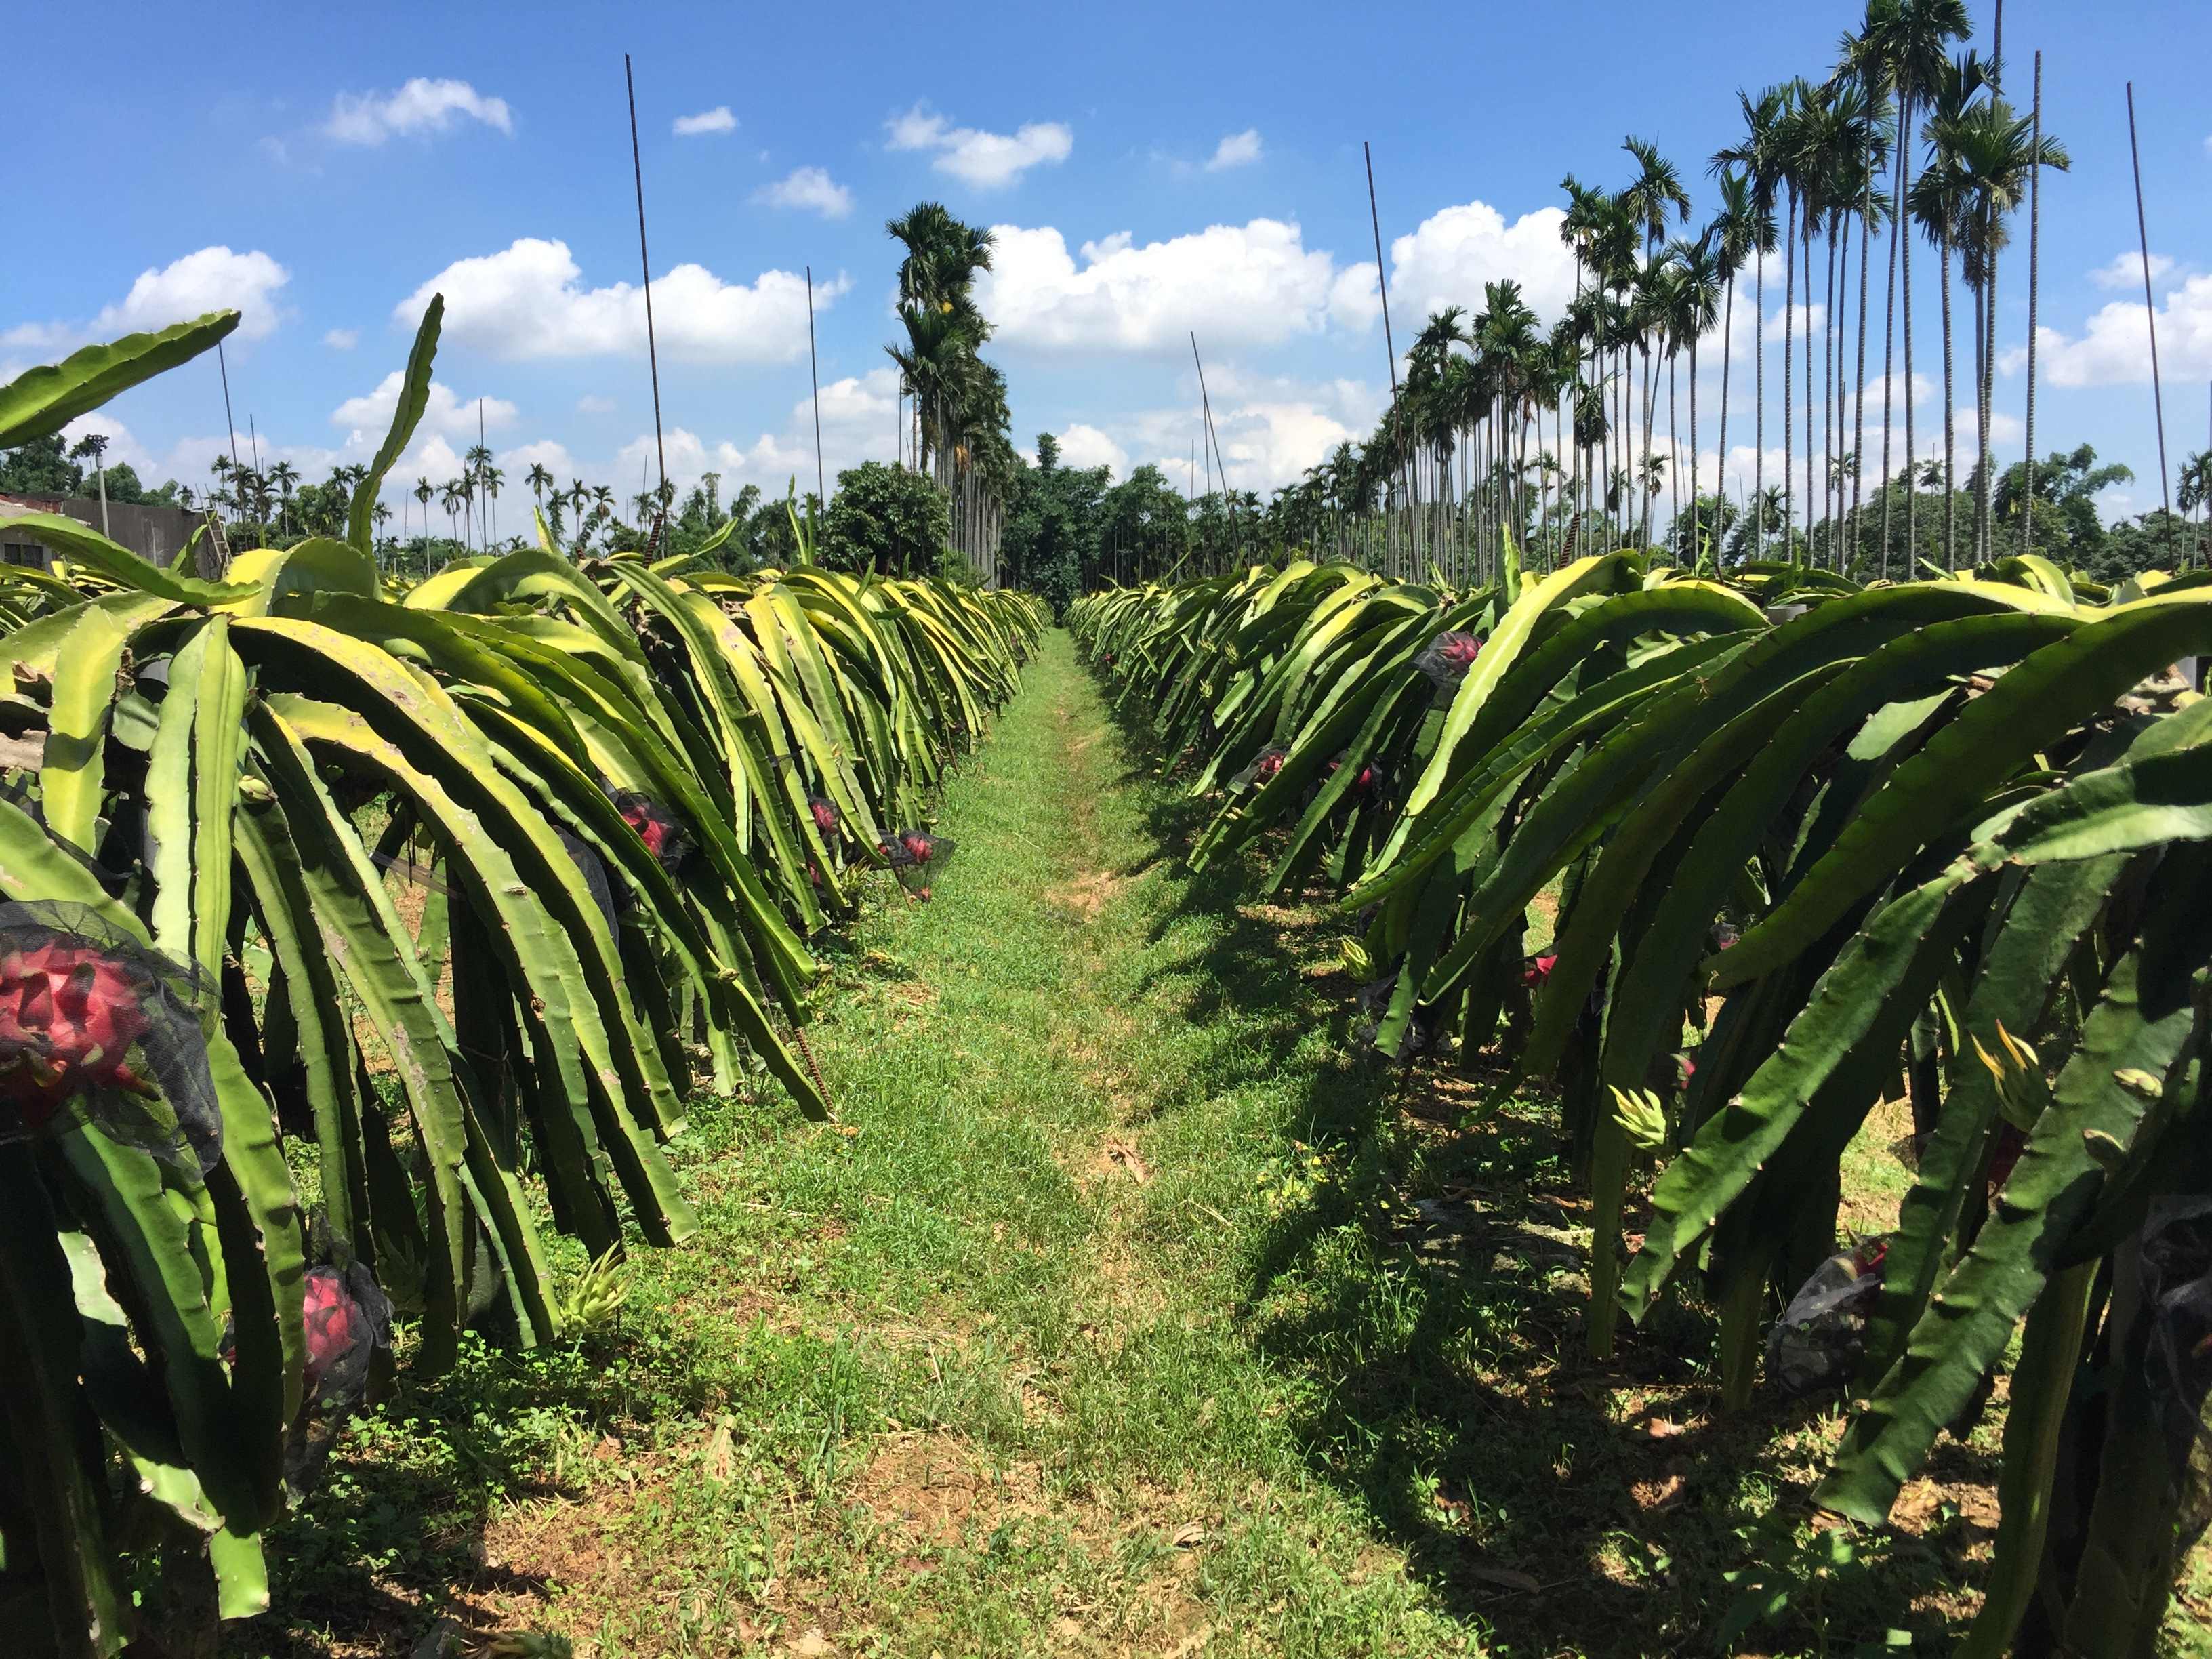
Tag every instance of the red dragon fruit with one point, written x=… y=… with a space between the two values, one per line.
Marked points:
x=656 y=827
x=96 y=1026
x=1449 y=656
x=1536 y=970
x=824 y=813
x=69 y=1016
x=1262 y=772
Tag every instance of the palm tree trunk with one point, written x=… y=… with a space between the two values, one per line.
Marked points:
x=1805 y=229
x=1759 y=393
x=1720 y=466
x=1858 y=378
x=1950 y=559
x=1788 y=421
x=1986 y=533
x=1830 y=426
x=1904 y=305
x=1674 y=454
x=1695 y=555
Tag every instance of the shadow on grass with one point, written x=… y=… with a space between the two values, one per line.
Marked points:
x=1430 y=1295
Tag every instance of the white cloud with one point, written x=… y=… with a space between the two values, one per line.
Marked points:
x=860 y=421
x=987 y=160
x=40 y=337
x=445 y=414
x=1453 y=252
x=1924 y=388
x=1272 y=427
x=1082 y=445
x=212 y=279
x=528 y=302
x=1796 y=323
x=1236 y=149
x=2114 y=346
x=717 y=119
x=421 y=107
x=1256 y=283
x=342 y=339
x=810 y=188
x=592 y=404
x=553 y=457
x=2125 y=270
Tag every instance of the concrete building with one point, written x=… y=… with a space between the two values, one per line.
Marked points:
x=157 y=534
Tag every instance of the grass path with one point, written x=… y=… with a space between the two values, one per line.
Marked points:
x=1128 y=1311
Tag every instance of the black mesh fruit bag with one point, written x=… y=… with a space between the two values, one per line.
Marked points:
x=1447 y=658
x=655 y=825
x=97 y=1027
x=1262 y=772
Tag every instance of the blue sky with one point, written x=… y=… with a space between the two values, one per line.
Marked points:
x=1176 y=167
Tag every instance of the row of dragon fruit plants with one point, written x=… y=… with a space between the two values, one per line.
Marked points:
x=1813 y=845
x=632 y=790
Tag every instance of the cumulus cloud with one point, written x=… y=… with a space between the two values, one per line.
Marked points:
x=592 y=404
x=342 y=339
x=987 y=160
x=2125 y=270
x=717 y=119
x=1256 y=283
x=2114 y=348
x=811 y=189
x=1236 y=149
x=1795 y=322
x=1082 y=445
x=1272 y=427
x=213 y=279
x=860 y=420
x=445 y=414
x=547 y=452
x=1451 y=254
x=529 y=300
x=421 y=107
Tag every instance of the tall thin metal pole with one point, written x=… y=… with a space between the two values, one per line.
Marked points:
x=645 y=267
x=229 y=420
x=814 y=372
x=2150 y=316
x=1382 y=283
x=1220 y=462
x=2034 y=278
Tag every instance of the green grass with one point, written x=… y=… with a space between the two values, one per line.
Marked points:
x=1129 y=1309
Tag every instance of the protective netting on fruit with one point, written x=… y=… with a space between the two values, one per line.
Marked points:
x=1370 y=779
x=1447 y=658
x=824 y=813
x=594 y=869
x=655 y=825
x=1821 y=1334
x=916 y=850
x=2176 y=1291
x=1262 y=772
x=96 y=1027
x=345 y=1319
